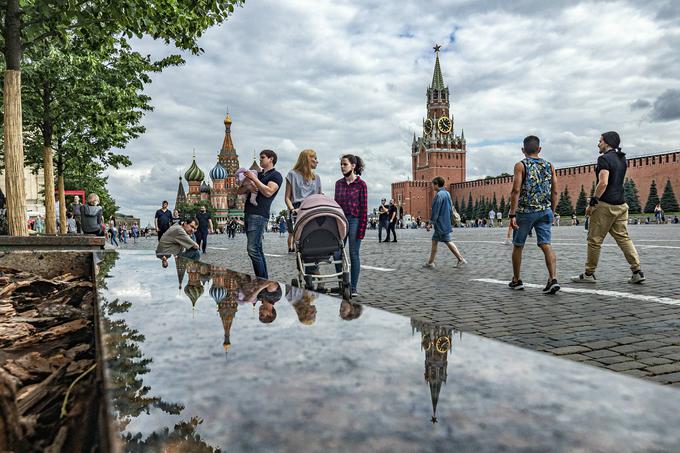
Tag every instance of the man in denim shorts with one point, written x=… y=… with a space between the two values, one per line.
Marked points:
x=532 y=204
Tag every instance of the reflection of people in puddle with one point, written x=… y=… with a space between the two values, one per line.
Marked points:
x=164 y=259
x=303 y=303
x=269 y=295
x=350 y=310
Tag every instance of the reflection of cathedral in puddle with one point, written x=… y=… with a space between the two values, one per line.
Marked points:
x=224 y=290
x=436 y=341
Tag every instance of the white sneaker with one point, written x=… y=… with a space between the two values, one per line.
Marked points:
x=428 y=265
x=584 y=278
x=507 y=242
x=637 y=278
x=461 y=263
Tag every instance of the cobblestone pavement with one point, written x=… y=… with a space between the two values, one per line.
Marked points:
x=634 y=329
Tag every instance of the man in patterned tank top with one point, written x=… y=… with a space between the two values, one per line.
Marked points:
x=532 y=205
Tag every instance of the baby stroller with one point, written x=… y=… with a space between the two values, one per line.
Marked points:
x=319 y=233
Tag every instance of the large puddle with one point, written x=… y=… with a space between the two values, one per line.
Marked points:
x=195 y=362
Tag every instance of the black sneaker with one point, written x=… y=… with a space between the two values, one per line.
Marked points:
x=552 y=287
x=516 y=285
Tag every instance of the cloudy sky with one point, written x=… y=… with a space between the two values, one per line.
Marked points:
x=350 y=76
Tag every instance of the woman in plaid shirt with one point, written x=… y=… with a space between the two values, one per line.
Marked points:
x=352 y=196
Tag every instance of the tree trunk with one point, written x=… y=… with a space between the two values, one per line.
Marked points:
x=50 y=213
x=14 y=155
x=14 y=146
x=62 y=205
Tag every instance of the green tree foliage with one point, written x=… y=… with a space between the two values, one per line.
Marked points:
x=632 y=196
x=668 y=201
x=502 y=205
x=494 y=203
x=564 y=206
x=581 y=202
x=97 y=25
x=652 y=199
x=592 y=190
x=188 y=211
x=456 y=205
x=463 y=209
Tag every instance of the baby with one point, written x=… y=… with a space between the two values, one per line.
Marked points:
x=247 y=183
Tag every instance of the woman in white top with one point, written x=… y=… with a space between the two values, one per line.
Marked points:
x=301 y=182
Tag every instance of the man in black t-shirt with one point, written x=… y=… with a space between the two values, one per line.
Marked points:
x=163 y=219
x=268 y=182
x=383 y=218
x=608 y=210
x=392 y=222
x=204 y=227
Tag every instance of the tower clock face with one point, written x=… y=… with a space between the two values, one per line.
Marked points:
x=428 y=126
x=444 y=125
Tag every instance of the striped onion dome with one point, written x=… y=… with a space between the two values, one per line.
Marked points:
x=218 y=172
x=218 y=293
x=194 y=173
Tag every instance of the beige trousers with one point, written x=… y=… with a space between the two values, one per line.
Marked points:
x=612 y=219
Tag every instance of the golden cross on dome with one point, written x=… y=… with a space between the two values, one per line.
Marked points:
x=437 y=47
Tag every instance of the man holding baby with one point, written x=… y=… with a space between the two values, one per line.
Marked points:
x=266 y=184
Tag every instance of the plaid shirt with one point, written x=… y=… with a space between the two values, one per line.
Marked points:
x=353 y=199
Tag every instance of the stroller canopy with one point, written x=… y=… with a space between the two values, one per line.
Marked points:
x=316 y=206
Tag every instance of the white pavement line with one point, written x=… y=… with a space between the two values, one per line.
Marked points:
x=380 y=269
x=275 y=256
x=599 y=292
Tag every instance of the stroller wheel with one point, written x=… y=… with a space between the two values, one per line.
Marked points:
x=309 y=283
x=345 y=279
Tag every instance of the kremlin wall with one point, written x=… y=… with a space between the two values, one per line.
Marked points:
x=440 y=152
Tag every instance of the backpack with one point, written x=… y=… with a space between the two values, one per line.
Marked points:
x=455 y=217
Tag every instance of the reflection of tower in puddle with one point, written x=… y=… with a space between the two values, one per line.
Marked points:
x=436 y=341
x=181 y=266
x=194 y=286
x=223 y=291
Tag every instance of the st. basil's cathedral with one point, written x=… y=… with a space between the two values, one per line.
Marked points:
x=221 y=194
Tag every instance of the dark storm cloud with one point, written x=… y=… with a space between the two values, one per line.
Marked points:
x=640 y=104
x=666 y=106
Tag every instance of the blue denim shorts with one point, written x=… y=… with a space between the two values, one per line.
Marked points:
x=540 y=221
x=441 y=237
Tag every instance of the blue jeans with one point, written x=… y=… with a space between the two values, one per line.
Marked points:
x=255 y=227
x=113 y=237
x=354 y=246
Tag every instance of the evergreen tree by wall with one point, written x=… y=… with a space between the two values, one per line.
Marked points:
x=653 y=198
x=502 y=205
x=592 y=190
x=581 y=202
x=470 y=213
x=632 y=196
x=456 y=205
x=463 y=209
x=564 y=206
x=668 y=201
x=494 y=204
x=475 y=210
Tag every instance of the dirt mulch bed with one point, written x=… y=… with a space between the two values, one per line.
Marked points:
x=46 y=347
